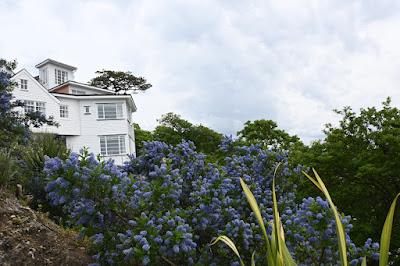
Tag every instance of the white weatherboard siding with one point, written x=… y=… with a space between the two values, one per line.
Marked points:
x=81 y=125
x=36 y=92
x=94 y=127
x=51 y=76
x=70 y=125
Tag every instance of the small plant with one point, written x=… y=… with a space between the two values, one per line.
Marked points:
x=8 y=167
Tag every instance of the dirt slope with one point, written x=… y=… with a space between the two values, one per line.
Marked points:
x=29 y=238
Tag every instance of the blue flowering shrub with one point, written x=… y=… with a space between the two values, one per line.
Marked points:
x=165 y=206
x=311 y=235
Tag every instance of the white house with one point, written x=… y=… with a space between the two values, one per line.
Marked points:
x=87 y=116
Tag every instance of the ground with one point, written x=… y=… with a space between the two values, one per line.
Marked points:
x=28 y=237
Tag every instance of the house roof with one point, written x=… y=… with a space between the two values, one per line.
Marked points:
x=98 y=96
x=54 y=62
x=82 y=85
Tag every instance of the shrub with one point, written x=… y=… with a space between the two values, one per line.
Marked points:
x=8 y=167
x=32 y=157
x=167 y=204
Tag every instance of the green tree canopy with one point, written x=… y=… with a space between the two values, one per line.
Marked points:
x=140 y=136
x=360 y=161
x=267 y=134
x=119 y=81
x=14 y=127
x=172 y=129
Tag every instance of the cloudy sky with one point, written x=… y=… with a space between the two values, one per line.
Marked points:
x=221 y=63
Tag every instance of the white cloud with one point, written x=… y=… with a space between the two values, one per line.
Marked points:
x=221 y=63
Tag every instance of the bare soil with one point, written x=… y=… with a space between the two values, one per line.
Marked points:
x=28 y=237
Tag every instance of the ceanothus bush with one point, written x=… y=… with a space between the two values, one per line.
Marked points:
x=310 y=232
x=169 y=203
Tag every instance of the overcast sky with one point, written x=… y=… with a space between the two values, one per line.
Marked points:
x=221 y=63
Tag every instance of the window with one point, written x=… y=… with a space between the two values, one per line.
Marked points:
x=24 y=84
x=77 y=92
x=109 y=110
x=87 y=109
x=41 y=107
x=64 y=111
x=31 y=106
x=43 y=76
x=60 y=76
x=112 y=145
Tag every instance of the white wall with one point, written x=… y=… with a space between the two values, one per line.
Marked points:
x=51 y=82
x=92 y=128
x=36 y=92
x=70 y=125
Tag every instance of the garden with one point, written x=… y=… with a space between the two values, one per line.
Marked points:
x=175 y=204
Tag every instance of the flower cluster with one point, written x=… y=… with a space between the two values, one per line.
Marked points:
x=310 y=231
x=169 y=203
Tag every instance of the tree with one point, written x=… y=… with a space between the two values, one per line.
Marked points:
x=140 y=136
x=173 y=129
x=119 y=81
x=13 y=126
x=360 y=161
x=266 y=133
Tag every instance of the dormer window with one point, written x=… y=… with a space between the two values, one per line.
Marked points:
x=60 y=76
x=77 y=92
x=23 y=84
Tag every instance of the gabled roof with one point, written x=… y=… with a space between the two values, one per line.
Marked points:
x=81 y=85
x=54 y=62
x=37 y=83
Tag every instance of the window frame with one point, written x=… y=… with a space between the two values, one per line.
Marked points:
x=40 y=107
x=104 y=141
x=29 y=104
x=64 y=111
x=87 y=109
x=44 y=75
x=60 y=76
x=101 y=112
x=35 y=106
x=23 y=84
x=78 y=92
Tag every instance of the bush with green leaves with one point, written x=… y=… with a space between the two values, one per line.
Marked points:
x=9 y=168
x=167 y=204
x=277 y=252
x=32 y=158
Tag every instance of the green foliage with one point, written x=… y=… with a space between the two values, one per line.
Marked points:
x=361 y=160
x=119 y=81
x=267 y=134
x=140 y=136
x=8 y=167
x=277 y=252
x=14 y=127
x=173 y=129
x=387 y=233
x=33 y=156
x=317 y=181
